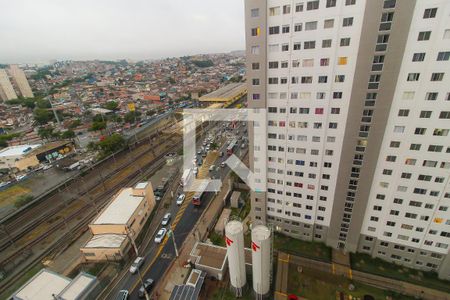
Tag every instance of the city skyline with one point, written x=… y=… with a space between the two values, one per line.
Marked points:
x=68 y=31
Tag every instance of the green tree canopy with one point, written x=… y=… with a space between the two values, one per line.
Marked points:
x=42 y=116
x=111 y=144
x=111 y=105
x=98 y=125
x=69 y=134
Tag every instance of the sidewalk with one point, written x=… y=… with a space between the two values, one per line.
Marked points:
x=176 y=274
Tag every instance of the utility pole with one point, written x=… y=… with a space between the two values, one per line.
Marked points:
x=51 y=104
x=171 y=233
x=128 y=231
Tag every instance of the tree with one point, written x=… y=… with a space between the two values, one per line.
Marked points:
x=111 y=144
x=98 y=118
x=130 y=117
x=74 y=124
x=42 y=116
x=4 y=138
x=46 y=133
x=98 y=126
x=43 y=103
x=69 y=134
x=111 y=105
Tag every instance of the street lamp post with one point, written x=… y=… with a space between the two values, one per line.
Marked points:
x=128 y=232
x=172 y=234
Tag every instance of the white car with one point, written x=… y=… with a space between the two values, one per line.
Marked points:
x=180 y=199
x=160 y=235
x=138 y=262
x=195 y=170
x=211 y=168
x=166 y=219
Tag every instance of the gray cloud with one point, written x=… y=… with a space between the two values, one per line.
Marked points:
x=40 y=30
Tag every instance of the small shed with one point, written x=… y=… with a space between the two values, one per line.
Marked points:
x=234 y=200
x=220 y=225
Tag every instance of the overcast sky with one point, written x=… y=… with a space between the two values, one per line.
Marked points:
x=33 y=31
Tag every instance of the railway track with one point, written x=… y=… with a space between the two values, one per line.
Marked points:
x=15 y=228
x=85 y=213
x=99 y=197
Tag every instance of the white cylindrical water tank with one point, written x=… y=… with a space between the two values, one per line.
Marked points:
x=234 y=238
x=261 y=243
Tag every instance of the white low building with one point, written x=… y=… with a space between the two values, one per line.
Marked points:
x=49 y=285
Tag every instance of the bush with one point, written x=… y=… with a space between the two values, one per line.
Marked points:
x=23 y=200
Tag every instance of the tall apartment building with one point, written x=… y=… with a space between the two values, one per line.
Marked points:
x=6 y=89
x=358 y=106
x=21 y=81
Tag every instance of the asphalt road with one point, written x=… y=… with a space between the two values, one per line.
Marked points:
x=159 y=256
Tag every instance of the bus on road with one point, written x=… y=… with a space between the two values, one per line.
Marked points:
x=187 y=175
x=231 y=146
x=200 y=194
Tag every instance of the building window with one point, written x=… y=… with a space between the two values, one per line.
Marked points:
x=347 y=22
x=342 y=60
x=324 y=62
x=444 y=115
x=286 y=9
x=345 y=42
x=309 y=45
x=285 y=47
x=424 y=36
x=255 y=31
x=331 y=3
x=425 y=114
x=403 y=112
x=430 y=13
x=285 y=29
x=418 y=56
x=255 y=66
x=413 y=77
x=297 y=46
x=311 y=25
x=329 y=23
x=326 y=43
x=299 y=7
x=311 y=5
x=254 y=12
x=298 y=27
x=255 y=81
x=431 y=96
x=255 y=50
x=274 y=30
x=350 y=2
x=443 y=56
x=274 y=11
x=437 y=76
x=389 y=4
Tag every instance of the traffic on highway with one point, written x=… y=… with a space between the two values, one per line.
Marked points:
x=182 y=214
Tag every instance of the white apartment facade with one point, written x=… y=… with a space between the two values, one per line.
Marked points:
x=332 y=75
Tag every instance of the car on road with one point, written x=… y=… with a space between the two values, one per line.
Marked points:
x=148 y=285
x=138 y=262
x=195 y=170
x=220 y=153
x=180 y=199
x=242 y=146
x=160 y=235
x=122 y=295
x=166 y=219
x=222 y=165
x=199 y=152
x=211 y=168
